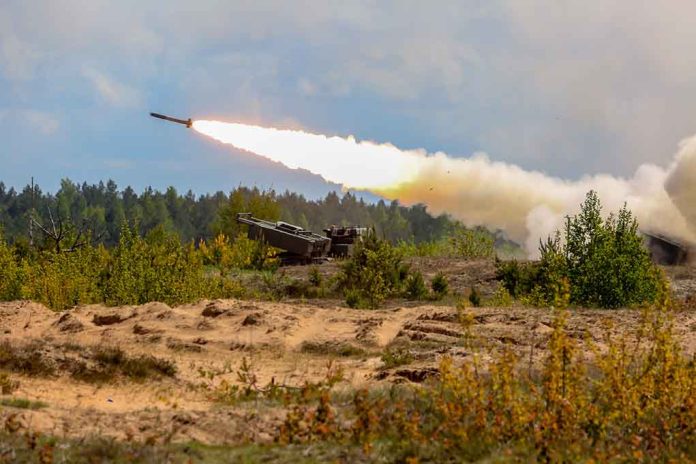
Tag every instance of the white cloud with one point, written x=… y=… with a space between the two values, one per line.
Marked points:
x=111 y=91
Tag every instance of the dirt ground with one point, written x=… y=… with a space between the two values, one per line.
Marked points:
x=286 y=343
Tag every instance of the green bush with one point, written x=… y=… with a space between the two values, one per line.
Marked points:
x=518 y=278
x=353 y=299
x=440 y=285
x=415 y=287
x=67 y=279
x=474 y=297
x=157 y=267
x=501 y=298
x=10 y=273
x=460 y=242
x=243 y=253
x=472 y=243
x=396 y=356
x=154 y=268
x=372 y=274
x=424 y=249
x=315 y=277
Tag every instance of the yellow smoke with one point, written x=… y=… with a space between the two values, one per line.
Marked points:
x=528 y=205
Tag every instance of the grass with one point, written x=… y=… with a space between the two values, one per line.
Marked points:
x=22 y=403
x=25 y=359
x=395 y=357
x=110 y=362
x=99 y=364
x=340 y=349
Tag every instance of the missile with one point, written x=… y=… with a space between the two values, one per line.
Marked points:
x=186 y=122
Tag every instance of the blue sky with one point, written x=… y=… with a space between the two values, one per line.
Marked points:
x=567 y=88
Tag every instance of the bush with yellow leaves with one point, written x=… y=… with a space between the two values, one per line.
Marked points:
x=633 y=399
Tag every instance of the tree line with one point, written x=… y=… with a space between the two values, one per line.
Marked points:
x=101 y=210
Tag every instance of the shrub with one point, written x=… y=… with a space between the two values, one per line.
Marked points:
x=632 y=401
x=26 y=359
x=226 y=256
x=7 y=384
x=353 y=298
x=315 y=277
x=461 y=242
x=472 y=243
x=415 y=286
x=440 y=285
x=373 y=273
x=424 y=249
x=67 y=279
x=144 y=366
x=110 y=361
x=474 y=297
x=501 y=297
x=154 y=268
x=218 y=253
x=10 y=273
x=342 y=349
x=598 y=263
x=395 y=357
x=157 y=267
x=518 y=278
x=22 y=403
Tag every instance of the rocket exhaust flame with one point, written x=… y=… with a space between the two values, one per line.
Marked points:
x=528 y=205
x=360 y=165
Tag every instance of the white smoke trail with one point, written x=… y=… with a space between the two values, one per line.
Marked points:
x=528 y=205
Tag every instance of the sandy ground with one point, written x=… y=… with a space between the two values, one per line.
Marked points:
x=288 y=343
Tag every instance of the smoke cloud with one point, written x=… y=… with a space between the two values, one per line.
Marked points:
x=527 y=205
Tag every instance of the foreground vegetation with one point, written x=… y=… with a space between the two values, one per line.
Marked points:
x=632 y=398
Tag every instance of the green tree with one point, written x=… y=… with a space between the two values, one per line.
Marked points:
x=607 y=263
x=601 y=263
x=260 y=204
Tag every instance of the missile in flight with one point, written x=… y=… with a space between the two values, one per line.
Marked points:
x=186 y=122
